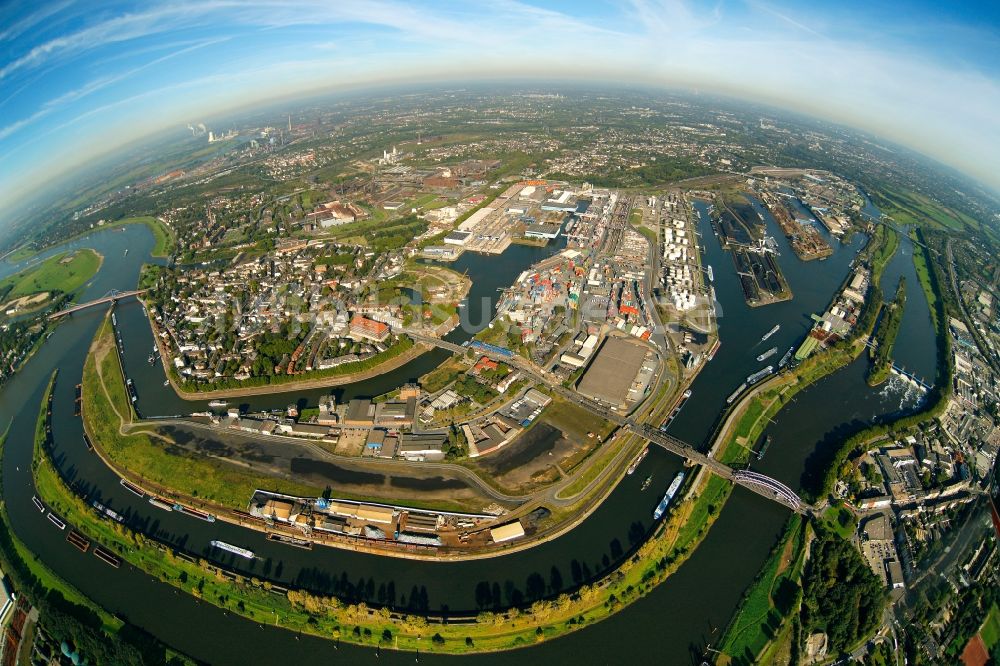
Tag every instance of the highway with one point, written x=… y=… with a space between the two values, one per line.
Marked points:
x=758 y=483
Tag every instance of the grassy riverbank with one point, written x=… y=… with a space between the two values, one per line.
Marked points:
x=885 y=336
x=59 y=274
x=770 y=599
x=148 y=458
x=65 y=612
x=357 y=623
x=163 y=237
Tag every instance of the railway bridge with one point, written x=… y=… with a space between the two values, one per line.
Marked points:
x=761 y=484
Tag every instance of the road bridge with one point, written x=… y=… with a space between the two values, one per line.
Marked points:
x=759 y=483
x=112 y=296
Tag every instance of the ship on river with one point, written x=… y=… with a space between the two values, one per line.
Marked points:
x=218 y=403
x=735 y=394
x=759 y=375
x=635 y=463
x=235 y=550
x=774 y=330
x=768 y=354
x=787 y=357
x=668 y=496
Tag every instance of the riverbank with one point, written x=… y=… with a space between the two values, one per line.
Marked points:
x=67 y=614
x=163 y=237
x=329 y=618
x=880 y=352
x=38 y=286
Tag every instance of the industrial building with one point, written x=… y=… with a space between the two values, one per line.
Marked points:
x=610 y=376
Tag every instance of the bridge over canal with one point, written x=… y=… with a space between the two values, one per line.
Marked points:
x=761 y=484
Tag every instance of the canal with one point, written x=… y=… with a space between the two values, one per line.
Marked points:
x=671 y=624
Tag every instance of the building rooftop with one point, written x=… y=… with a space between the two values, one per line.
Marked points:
x=612 y=372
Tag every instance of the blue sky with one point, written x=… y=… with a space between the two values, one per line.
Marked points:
x=80 y=78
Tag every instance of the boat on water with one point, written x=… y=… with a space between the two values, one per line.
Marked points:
x=126 y=253
x=763 y=448
x=166 y=382
x=787 y=357
x=646 y=482
x=759 y=375
x=38 y=503
x=735 y=394
x=114 y=319
x=194 y=513
x=768 y=354
x=714 y=349
x=132 y=488
x=635 y=463
x=661 y=508
x=218 y=403
x=56 y=521
x=711 y=274
x=235 y=550
x=161 y=504
x=774 y=330
x=676 y=410
x=107 y=556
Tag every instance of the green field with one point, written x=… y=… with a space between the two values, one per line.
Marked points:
x=990 y=633
x=909 y=207
x=576 y=422
x=769 y=600
x=63 y=273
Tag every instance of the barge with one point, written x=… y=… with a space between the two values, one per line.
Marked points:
x=235 y=550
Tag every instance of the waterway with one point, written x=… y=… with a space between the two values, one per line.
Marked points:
x=672 y=624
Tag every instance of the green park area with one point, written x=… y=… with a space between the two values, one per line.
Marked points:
x=59 y=274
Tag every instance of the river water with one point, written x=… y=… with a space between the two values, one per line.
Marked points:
x=670 y=625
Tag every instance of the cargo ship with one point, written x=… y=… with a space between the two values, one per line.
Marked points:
x=132 y=488
x=771 y=332
x=661 y=508
x=107 y=556
x=55 y=520
x=676 y=410
x=218 y=403
x=194 y=513
x=304 y=544
x=768 y=354
x=78 y=541
x=787 y=357
x=235 y=550
x=759 y=375
x=735 y=394
x=714 y=349
x=635 y=463
x=110 y=513
x=160 y=504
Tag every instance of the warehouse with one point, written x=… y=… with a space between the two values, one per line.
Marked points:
x=507 y=532
x=548 y=231
x=614 y=369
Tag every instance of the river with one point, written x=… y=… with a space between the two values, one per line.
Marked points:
x=671 y=624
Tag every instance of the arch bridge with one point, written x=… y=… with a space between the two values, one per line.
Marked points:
x=112 y=296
